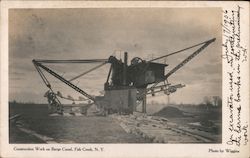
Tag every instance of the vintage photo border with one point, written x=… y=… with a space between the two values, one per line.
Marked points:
x=138 y=150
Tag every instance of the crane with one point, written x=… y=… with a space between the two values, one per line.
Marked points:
x=125 y=84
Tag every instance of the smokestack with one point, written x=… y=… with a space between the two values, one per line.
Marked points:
x=125 y=65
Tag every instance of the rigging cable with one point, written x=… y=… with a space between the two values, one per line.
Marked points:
x=84 y=73
x=72 y=61
x=179 y=51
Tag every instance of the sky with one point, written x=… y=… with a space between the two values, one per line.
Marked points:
x=94 y=33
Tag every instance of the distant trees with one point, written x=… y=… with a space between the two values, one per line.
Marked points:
x=217 y=101
x=211 y=102
x=207 y=101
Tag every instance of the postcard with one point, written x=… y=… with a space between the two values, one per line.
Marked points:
x=124 y=79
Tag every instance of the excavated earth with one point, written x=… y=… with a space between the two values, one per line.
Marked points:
x=35 y=126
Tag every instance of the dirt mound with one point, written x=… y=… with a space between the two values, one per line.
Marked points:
x=169 y=112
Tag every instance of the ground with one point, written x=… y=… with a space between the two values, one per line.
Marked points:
x=182 y=125
x=73 y=129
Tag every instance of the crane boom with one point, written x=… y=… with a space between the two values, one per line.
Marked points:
x=205 y=44
x=189 y=58
x=38 y=64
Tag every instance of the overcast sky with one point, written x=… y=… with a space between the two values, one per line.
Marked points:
x=99 y=33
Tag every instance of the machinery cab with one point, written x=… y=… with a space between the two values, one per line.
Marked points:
x=144 y=73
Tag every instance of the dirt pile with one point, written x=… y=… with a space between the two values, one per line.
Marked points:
x=169 y=112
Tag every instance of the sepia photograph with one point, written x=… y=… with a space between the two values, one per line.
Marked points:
x=124 y=79
x=115 y=75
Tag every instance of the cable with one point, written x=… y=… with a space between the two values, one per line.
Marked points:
x=84 y=73
x=72 y=61
x=181 y=50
